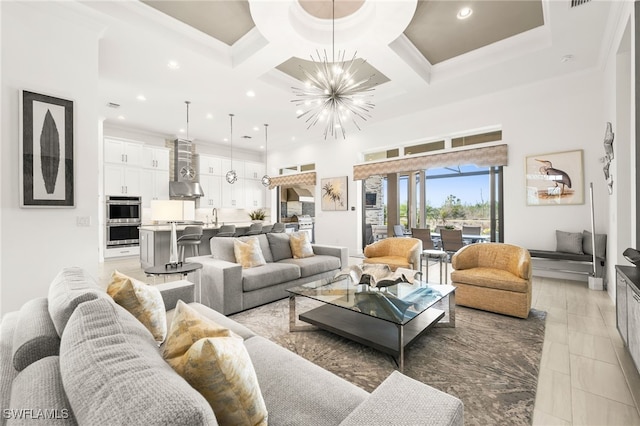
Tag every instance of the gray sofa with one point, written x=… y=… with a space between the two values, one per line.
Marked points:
x=228 y=288
x=79 y=358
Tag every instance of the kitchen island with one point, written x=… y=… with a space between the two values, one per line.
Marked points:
x=155 y=241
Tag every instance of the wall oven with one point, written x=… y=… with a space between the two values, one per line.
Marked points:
x=123 y=217
x=124 y=209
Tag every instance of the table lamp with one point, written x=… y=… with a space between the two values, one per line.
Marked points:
x=171 y=211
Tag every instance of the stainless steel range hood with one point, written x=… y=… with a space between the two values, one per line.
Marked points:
x=185 y=183
x=185 y=190
x=299 y=194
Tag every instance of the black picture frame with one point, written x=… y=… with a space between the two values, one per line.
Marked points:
x=46 y=151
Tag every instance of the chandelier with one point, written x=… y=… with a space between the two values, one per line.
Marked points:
x=266 y=180
x=231 y=175
x=331 y=94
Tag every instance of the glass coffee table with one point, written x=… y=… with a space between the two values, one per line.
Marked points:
x=387 y=319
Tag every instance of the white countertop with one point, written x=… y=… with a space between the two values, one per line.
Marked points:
x=180 y=227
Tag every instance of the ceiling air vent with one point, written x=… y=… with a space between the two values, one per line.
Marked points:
x=576 y=3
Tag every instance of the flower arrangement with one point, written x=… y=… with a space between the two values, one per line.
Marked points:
x=257 y=214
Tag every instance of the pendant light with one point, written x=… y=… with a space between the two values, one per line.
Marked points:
x=266 y=180
x=231 y=175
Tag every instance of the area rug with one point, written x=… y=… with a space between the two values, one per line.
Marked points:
x=489 y=361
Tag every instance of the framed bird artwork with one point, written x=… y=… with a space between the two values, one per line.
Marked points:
x=555 y=178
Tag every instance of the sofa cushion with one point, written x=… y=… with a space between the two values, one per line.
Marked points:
x=280 y=246
x=37 y=337
x=386 y=405
x=69 y=288
x=219 y=318
x=221 y=370
x=39 y=388
x=222 y=248
x=601 y=244
x=300 y=245
x=248 y=252
x=491 y=278
x=569 y=242
x=314 y=265
x=109 y=363
x=143 y=302
x=298 y=392
x=268 y=275
x=7 y=371
x=187 y=327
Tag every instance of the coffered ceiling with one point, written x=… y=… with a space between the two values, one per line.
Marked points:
x=421 y=54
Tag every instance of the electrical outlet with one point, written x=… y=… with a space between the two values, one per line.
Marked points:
x=83 y=220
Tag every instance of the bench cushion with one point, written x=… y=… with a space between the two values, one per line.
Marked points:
x=555 y=255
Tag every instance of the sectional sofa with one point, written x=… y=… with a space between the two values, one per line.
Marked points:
x=77 y=357
x=228 y=288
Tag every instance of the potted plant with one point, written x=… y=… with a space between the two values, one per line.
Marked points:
x=257 y=215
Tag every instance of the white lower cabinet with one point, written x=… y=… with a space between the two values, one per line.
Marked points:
x=212 y=193
x=233 y=194
x=254 y=194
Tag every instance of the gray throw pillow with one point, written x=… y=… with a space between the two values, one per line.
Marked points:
x=280 y=247
x=601 y=244
x=569 y=242
x=222 y=249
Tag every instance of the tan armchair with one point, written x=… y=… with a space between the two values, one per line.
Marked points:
x=395 y=252
x=493 y=277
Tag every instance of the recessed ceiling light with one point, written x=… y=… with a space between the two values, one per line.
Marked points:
x=293 y=138
x=464 y=13
x=256 y=128
x=567 y=58
x=299 y=112
x=209 y=116
x=173 y=65
x=181 y=130
x=251 y=93
x=261 y=146
x=225 y=140
x=121 y=117
x=141 y=98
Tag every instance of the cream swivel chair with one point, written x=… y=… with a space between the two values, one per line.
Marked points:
x=395 y=252
x=494 y=277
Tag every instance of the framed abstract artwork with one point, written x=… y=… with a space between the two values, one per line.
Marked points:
x=555 y=178
x=334 y=194
x=46 y=151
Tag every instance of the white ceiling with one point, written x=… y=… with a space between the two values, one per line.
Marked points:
x=141 y=40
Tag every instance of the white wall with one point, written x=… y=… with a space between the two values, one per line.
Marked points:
x=47 y=50
x=619 y=108
x=550 y=116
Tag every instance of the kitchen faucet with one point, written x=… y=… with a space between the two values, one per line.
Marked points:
x=215 y=216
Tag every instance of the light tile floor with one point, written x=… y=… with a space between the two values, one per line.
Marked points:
x=587 y=376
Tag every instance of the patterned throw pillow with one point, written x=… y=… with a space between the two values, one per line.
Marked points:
x=218 y=367
x=187 y=327
x=248 y=253
x=300 y=245
x=142 y=300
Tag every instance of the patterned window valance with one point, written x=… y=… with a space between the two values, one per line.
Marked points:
x=489 y=156
x=295 y=179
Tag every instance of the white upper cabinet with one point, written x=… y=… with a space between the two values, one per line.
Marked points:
x=211 y=165
x=155 y=158
x=122 y=152
x=253 y=170
x=238 y=166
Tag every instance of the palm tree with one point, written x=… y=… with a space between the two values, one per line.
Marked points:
x=333 y=193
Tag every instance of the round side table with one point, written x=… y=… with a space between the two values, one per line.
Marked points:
x=182 y=269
